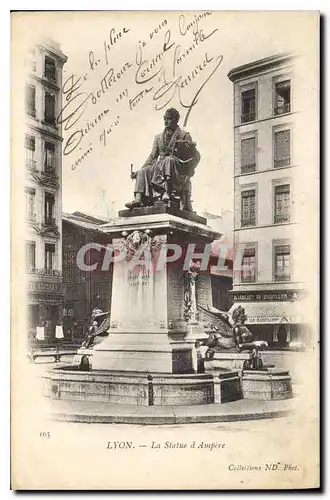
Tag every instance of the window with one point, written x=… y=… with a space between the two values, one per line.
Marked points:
x=49 y=209
x=30 y=100
x=248 y=105
x=282 y=263
x=248 y=208
x=30 y=147
x=282 y=156
x=30 y=200
x=30 y=255
x=49 y=162
x=248 y=155
x=50 y=68
x=50 y=108
x=49 y=256
x=282 y=204
x=282 y=97
x=248 y=271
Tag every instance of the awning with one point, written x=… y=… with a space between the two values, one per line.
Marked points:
x=271 y=312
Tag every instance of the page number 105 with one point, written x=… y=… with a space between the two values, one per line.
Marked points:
x=44 y=434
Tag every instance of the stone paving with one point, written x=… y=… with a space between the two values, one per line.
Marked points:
x=88 y=412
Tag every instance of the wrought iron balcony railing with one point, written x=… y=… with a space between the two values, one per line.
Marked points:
x=50 y=120
x=248 y=117
x=50 y=221
x=285 y=108
x=246 y=169
x=279 y=219
x=282 y=162
x=43 y=272
x=251 y=221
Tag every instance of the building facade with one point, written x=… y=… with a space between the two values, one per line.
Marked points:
x=43 y=189
x=84 y=290
x=221 y=262
x=268 y=161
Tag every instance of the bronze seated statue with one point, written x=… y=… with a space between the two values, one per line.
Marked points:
x=166 y=175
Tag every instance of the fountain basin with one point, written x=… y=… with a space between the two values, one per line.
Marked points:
x=142 y=389
x=269 y=384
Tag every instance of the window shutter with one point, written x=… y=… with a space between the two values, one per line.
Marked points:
x=248 y=207
x=49 y=68
x=282 y=148
x=31 y=95
x=248 y=105
x=49 y=154
x=248 y=154
x=49 y=107
x=282 y=203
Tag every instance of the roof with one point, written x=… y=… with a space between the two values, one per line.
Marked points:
x=54 y=47
x=84 y=220
x=259 y=66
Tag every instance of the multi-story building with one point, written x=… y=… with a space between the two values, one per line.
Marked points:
x=268 y=195
x=84 y=290
x=221 y=261
x=43 y=188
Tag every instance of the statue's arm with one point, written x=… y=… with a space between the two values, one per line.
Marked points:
x=154 y=153
x=196 y=157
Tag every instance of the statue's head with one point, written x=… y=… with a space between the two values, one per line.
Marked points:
x=171 y=118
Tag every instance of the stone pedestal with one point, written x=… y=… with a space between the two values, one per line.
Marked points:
x=154 y=325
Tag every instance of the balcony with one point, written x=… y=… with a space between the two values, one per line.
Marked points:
x=50 y=221
x=50 y=74
x=281 y=219
x=282 y=162
x=50 y=120
x=246 y=169
x=44 y=272
x=248 y=278
x=251 y=221
x=285 y=108
x=248 y=117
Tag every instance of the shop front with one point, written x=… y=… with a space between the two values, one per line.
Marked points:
x=276 y=317
x=45 y=311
